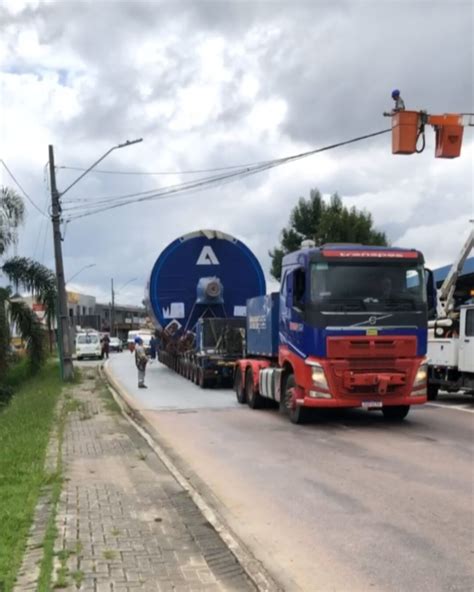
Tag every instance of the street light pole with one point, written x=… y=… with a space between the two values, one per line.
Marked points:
x=64 y=340
x=112 y=305
x=112 y=312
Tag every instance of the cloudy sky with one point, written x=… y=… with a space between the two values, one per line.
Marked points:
x=208 y=84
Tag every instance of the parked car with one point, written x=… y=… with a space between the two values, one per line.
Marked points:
x=88 y=345
x=115 y=345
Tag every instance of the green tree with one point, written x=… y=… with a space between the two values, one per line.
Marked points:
x=12 y=214
x=323 y=222
x=24 y=274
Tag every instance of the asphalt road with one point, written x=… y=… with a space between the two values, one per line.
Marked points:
x=346 y=503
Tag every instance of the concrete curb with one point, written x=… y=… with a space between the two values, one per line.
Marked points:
x=257 y=573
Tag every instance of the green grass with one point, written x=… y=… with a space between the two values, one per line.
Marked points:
x=109 y=402
x=18 y=373
x=25 y=426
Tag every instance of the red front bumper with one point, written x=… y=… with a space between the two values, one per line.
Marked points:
x=335 y=402
x=360 y=370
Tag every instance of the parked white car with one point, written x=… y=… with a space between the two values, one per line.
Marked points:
x=88 y=346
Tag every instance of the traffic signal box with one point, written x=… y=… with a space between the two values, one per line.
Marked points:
x=408 y=125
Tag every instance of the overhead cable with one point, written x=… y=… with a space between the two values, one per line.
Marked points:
x=21 y=188
x=112 y=202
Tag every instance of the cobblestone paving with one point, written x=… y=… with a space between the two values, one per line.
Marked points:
x=124 y=523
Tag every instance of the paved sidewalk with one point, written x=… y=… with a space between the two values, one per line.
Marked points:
x=124 y=523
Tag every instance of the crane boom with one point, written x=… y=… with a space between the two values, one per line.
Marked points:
x=446 y=292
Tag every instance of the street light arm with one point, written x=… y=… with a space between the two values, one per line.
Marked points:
x=124 y=145
x=126 y=284
x=80 y=271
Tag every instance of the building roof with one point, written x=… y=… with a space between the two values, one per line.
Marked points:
x=441 y=273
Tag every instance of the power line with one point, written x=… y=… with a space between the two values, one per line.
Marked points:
x=113 y=202
x=156 y=173
x=21 y=188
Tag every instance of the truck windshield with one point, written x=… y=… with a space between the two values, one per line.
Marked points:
x=368 y=286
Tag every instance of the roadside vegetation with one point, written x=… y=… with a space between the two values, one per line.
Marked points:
x=25 y=427
x=324 y=222
x=30 y=277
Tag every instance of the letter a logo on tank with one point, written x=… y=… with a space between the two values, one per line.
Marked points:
x=207 y=257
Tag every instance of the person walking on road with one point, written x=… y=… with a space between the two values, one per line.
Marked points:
x=141 y=360
x=105 y=346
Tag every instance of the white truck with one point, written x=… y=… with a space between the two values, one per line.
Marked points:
x=451 y=336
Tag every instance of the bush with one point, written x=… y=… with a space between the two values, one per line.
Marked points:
x=6 y=393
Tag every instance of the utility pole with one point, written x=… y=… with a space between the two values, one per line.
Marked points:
x=64 y=341
x=112 y=312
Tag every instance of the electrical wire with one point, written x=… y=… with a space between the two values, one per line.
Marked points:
x=147 y=173
x=113 y=202
x=21 y=188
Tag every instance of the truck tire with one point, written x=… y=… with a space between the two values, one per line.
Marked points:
x=204 y=383
x=239 y=388
x=395 y=413
x=297 y=413
x=254 y=399
x=432 y=392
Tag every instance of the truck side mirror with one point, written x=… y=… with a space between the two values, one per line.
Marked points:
x=431 y=293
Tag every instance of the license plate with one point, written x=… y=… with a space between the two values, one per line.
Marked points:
x=372 y=404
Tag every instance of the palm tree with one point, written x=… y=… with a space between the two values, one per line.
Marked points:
x=26 y=274
x=12 y=214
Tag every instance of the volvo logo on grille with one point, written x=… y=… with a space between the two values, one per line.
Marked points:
x=372 y=320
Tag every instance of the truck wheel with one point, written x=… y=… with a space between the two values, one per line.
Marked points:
x=433 y=392
x=396 y=412
x=254 y=399
x=239 y=387
x=203 y=382
x=296 y=413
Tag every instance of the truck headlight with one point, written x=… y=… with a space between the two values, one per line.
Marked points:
x=317 y=376
x=422 y=374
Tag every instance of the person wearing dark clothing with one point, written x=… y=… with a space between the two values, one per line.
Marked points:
x=105 y=346
x=153 y=344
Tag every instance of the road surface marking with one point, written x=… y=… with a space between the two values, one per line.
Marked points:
x=467 y=408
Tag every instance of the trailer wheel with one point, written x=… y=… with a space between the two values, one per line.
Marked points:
x=204 y=383
x=239 y=387
x=395 y=413
x=433 y=392
x=296 y=413
x=254 y=399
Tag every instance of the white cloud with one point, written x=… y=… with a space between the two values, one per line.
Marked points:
x=208 y=88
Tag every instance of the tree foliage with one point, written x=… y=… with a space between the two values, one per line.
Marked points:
x=25 y=274
x=12 y=214
x=323 y=222
x=41 y=283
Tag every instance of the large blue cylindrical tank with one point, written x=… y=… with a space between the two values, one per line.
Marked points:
x=204 y=273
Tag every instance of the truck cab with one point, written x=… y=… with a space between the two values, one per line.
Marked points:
x=352 y=331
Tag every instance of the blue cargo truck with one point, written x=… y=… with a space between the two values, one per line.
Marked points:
x=197 y=295
x=347 y=329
